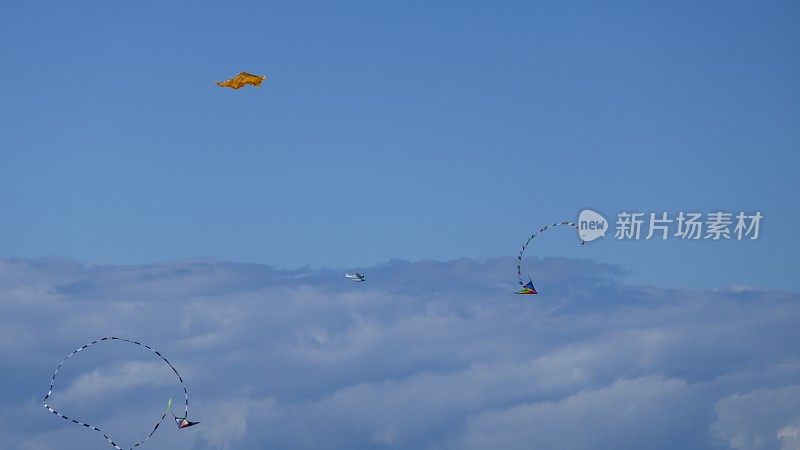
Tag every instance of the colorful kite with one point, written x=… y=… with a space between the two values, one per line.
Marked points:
x=241 y=80
x=180 y=421
x=108 y=438
x=527 y=288
x=183 y=423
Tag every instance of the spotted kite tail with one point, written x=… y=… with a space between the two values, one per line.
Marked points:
x=92 y=427
x=533 y=236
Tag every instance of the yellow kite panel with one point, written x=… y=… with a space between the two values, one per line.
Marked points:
x=241 y=80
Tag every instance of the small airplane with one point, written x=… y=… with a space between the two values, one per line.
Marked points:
x=357 y=277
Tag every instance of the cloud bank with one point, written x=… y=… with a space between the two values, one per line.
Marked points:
x=424 y=355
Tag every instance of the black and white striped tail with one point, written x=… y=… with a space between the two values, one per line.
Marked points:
x=541 y=230
x=92 y=427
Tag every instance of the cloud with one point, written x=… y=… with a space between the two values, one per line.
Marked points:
x=124 y=376
x=228 y=426
x=760 y=419
x=644 y=413
x=424 y=355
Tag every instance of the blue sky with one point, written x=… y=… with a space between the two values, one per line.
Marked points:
x=420 y=143
x=415 y=130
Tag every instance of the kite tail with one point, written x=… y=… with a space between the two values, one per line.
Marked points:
x=92 y=427
x=533 y=236
x=151 y=433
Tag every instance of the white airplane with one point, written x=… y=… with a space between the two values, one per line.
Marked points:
x=357 y=277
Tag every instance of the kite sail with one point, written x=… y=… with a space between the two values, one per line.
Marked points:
x=241 y=80
x=527 y=288
x=183 y=423
x=92 y=427
x=180 y=421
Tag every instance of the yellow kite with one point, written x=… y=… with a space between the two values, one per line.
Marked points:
x=242 y=79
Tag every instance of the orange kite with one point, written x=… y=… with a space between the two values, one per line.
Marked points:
x=242 y=79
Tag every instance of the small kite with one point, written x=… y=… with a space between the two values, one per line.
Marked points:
x=241 y=80
x=183 y=423
x=180 y=421
x=527 y=288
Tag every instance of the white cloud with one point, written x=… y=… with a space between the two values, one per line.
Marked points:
x=650 y=412
x=424 y=355
x=124 y=376
x=760 y=419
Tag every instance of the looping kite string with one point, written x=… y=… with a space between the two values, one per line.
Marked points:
x=92 y=427
x=533 y=236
